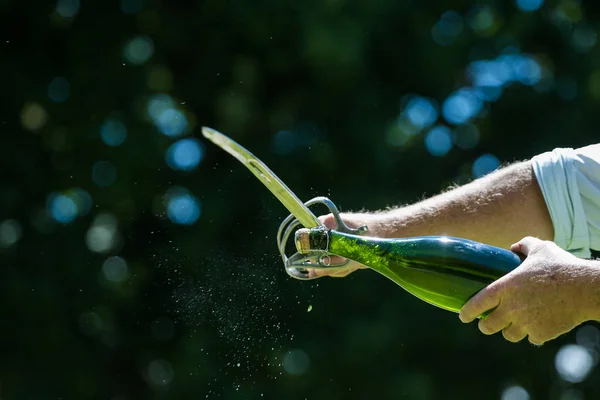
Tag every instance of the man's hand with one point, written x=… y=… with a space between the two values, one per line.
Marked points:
x=352 y=266
x=543 y=298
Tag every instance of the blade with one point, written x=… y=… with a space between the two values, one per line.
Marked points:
x=266 y=176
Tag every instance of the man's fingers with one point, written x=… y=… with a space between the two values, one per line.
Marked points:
x=536 y=340
x=343 y=273
x=526 y=245
x=316 y=272
x=485 y=300
x=514 y=333
x=332 y=272
x=334 y=260
x=493 y=323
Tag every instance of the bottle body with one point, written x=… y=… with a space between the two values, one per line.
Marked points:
x=443 y=271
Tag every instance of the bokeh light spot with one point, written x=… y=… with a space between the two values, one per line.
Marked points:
x=33 y=117
x=397 y=134
x=115 y=269
x=62 y=208
x=529 y=5
x=546 y=83
x=172 y=122
x=421 y=112
x=438 y=141
x=485 y=164
x=182 y=207
x=10 y=233
x=113 y=132
x=99 y=239
x=169 y=120
x=158 y=104
x=185 y=154
x=67 y=8
x=573 y=363
x=482 y=19
x=102 y=237
x=59 y=90
x=104 y=173
x=515 y=393
x=527 y=70
x=584 y=38
x=447 y=29
x=138 y=50
x=489 y=73
x=82 y=200
x=488 y=93
x=461 y=106
x=296 y=362
x=160 y=372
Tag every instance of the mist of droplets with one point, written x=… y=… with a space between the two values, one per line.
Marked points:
x=243 y=307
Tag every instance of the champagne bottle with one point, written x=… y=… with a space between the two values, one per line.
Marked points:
x=443 y=271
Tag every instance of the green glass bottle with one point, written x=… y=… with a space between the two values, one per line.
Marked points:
x=443 y=271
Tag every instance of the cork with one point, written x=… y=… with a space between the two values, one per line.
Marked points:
x=302 y=240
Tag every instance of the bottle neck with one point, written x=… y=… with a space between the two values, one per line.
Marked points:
x=373 y=252
x=365 y=250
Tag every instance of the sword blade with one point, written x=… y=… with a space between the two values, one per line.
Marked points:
x=266 y=176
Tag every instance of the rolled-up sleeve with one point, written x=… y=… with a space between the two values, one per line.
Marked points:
x=570 y=182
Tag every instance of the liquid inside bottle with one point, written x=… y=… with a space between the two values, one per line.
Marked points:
x=443 y=271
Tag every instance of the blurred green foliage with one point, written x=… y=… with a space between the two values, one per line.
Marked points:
x=133 y=269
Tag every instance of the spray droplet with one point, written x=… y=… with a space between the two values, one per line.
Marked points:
x=309 y=308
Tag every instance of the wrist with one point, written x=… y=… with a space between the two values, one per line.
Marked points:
x=371 y=221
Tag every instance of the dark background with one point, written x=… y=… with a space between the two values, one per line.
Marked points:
x=136 y=270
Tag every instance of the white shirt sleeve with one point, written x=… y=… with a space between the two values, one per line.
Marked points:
x=570 y=183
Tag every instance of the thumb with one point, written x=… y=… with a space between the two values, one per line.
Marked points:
x=328 y=220
x=527 y=245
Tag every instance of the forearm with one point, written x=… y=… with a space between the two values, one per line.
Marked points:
x=590 y=291
x=498 y=209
